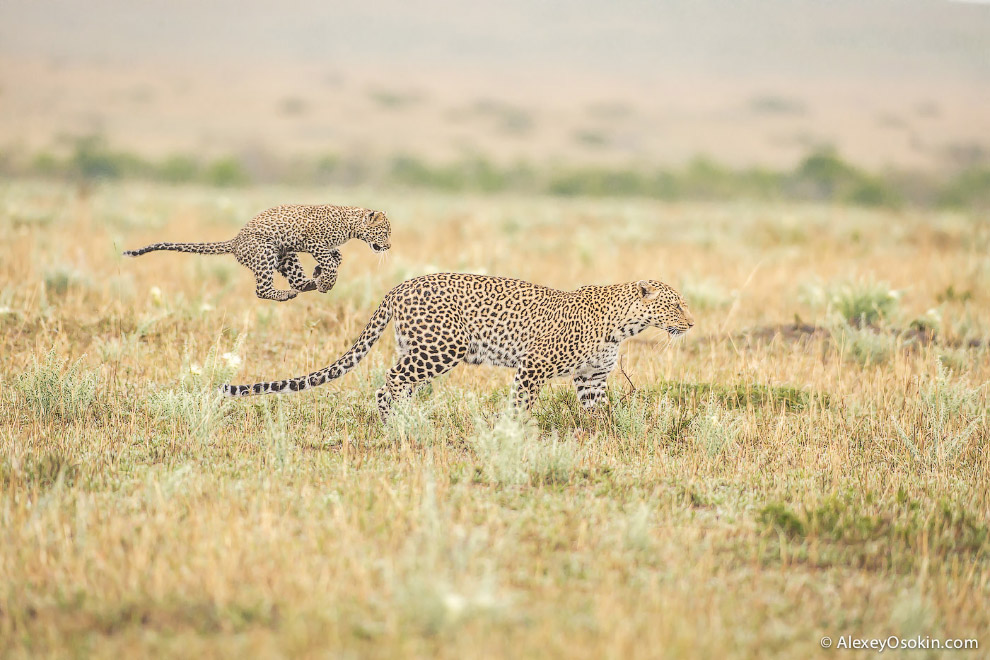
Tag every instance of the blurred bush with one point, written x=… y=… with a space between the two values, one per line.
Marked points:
x=822 y=176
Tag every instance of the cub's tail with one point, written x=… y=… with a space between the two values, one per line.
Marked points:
x=223 y=247
x=346 y=362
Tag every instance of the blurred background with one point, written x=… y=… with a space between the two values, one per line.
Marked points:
x=870 y=102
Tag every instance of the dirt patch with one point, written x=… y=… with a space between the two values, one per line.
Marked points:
x=806 y=333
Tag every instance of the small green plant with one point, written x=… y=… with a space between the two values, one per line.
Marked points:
x=740 y=395
x=948 y=415
x=866 y=346
x=277 y=436
x=781 y=518
x=864 y=302
x=631 y=417
x=444 y=575
x=56 y=392
x=714 y=429
x=197 y=404
x=40 y=471
x=513 y=452
x=198 y=412
x=636 y=535
x=411 y=422
x=60 y=279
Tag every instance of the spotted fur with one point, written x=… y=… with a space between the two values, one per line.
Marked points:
x=445 y=319
x=271 y=240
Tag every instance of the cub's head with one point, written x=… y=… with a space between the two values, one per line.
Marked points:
x=375 y=231
x=660 y=306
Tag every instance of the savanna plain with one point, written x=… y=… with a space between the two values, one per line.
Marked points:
x=810 y=460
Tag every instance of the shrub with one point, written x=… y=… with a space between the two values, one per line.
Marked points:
x=865 y=302
x=829 y=177
x=947 y=417
x=715 y=430
x=410 y=171
x=61 y=279
x=513 y=452
x=93 y=159
x=873 y=191
x=178 y=169
x=55 y=392
x=196 y=404
x=826 y=172
x=867 y=346
x=410 y=421
x=225 y=172
x=597 y=182
x=970 y=188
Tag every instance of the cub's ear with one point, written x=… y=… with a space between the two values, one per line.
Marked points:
x=647 y=289
x=375 y=218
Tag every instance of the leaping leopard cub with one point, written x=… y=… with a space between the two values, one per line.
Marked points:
x=448 y=318
x=270 y=241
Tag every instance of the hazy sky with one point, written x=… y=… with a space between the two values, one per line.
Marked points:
x=625 y=38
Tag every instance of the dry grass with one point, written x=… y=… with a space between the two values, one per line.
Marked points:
x=756 y=491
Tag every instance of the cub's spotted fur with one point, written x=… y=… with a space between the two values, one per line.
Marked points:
x=270 y=241
x=442 y=320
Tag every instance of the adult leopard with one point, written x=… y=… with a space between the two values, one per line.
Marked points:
x=448 y=318
x=271 y=239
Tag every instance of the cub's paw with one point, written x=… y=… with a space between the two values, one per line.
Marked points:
x=326 y=282
x=308 y=285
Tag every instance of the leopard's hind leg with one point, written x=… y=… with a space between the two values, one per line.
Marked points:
x=263 y=260
x=293 y=271
x=424 y=353
x=327 y=262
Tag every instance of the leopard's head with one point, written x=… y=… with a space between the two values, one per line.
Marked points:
x=375 y=231
x=660 y=306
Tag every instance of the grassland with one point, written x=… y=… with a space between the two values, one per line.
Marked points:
x=811 y=460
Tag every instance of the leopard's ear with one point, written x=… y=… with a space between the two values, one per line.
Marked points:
x=375 y=218
x=647 y=290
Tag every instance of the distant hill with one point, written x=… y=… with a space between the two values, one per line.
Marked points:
x=902 y=83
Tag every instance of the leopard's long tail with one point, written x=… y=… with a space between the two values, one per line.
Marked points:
x=372 y=331
x=221 y=247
